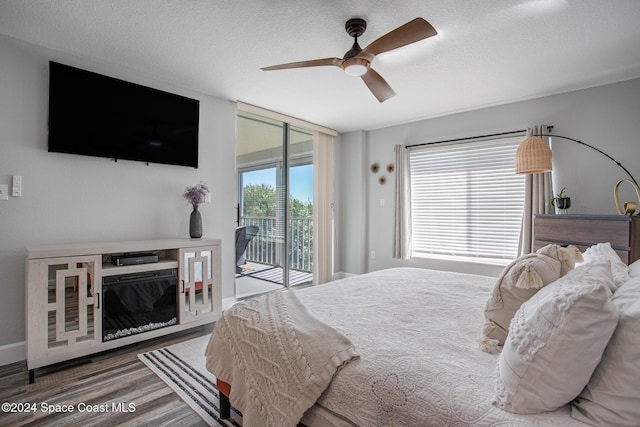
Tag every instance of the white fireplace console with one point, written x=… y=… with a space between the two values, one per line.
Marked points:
x=66 y=305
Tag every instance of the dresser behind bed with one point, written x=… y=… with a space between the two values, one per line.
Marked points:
x=623 y=232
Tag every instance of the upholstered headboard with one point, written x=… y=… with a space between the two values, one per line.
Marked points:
x=623 y=232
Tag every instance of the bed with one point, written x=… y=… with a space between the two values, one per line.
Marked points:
x=416 y=332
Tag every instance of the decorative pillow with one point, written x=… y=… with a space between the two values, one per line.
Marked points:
x=568 y=256
x=612 y=396
x=604 y=252
x=556 y=341
x=518 y=282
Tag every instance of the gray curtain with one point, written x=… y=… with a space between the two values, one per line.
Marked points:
x=402 y=214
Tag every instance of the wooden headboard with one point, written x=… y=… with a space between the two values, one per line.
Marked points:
x=623 y=232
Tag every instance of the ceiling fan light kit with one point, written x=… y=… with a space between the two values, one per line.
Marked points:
x=355 y=67
x=357 y=61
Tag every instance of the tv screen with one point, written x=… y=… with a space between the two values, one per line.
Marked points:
x=95 y=115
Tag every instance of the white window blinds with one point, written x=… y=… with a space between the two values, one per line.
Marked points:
x=466 y=200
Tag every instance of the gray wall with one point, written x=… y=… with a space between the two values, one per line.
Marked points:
x=607 y=117
x=73 y=199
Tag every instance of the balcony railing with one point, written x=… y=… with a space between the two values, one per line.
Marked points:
x=268 y=246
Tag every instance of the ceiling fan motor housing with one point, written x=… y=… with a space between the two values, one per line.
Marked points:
x=355 y=66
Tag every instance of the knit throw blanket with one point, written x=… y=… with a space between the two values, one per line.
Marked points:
x=277 y=357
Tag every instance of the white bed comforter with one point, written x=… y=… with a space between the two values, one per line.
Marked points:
x=416 y=332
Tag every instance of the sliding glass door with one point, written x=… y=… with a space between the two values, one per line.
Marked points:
x=300 y=217
x=275 y=183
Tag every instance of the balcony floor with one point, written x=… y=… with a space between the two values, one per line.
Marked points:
x=259 y=278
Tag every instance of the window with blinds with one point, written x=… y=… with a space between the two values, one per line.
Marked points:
x=466 y=200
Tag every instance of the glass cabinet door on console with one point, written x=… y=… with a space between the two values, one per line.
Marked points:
x=65 y=309
x=200 y=289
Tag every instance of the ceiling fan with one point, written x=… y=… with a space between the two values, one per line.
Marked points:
x=357 y=61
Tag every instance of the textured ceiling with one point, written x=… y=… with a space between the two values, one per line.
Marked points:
x=486 y=53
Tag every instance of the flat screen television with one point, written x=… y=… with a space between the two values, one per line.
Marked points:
x=95 y=115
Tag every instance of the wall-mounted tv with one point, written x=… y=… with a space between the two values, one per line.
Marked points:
x=95 y=115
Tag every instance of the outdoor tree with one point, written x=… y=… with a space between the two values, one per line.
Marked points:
x=260 y=203
x=259 y=200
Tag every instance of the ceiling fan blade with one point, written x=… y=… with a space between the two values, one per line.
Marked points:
x=411 y=32
x=377 y=85
x=303 y=64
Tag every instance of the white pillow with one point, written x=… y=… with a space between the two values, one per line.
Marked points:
x=555 y=342
x=634 y=268
x=612 y=396
x=604 y=252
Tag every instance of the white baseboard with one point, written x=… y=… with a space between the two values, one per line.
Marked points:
x=11 y=353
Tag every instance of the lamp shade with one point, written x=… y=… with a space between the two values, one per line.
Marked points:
x=533 y=156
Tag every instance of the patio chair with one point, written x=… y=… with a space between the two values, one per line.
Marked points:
x=244 y=235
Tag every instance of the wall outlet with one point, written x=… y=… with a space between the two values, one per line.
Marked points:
x=4 y=192
x=373 y=254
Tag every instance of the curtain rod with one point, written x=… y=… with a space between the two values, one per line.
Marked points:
x=467 y=139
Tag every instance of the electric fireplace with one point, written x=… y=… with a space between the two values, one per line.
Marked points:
x=138 y=302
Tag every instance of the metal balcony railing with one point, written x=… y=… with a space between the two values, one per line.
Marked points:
x=268 y=246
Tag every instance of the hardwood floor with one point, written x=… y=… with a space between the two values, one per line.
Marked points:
x=105 y=389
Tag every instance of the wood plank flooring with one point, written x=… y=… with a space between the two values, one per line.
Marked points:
x=106 y=382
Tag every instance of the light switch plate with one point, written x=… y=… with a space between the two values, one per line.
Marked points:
x=4 y=192
x=17 y=186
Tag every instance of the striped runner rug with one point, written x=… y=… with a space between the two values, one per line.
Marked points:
x=182 y=367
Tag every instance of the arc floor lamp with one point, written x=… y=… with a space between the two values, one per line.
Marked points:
x=534 y=156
